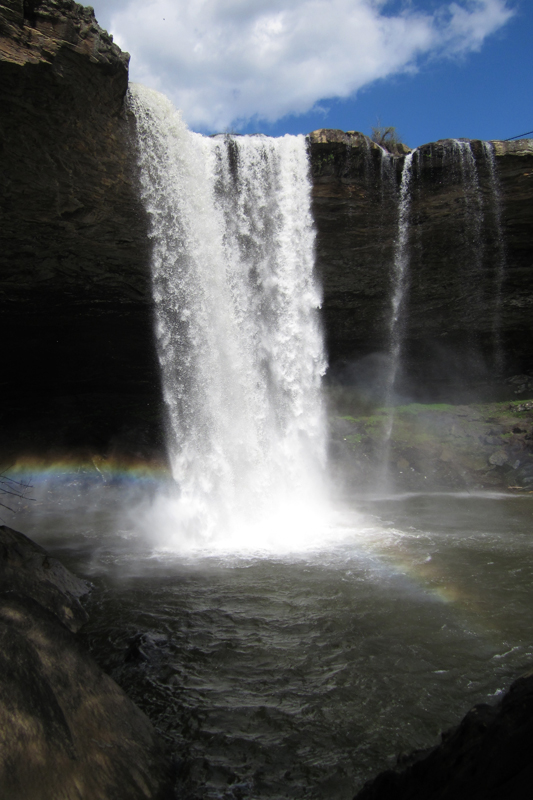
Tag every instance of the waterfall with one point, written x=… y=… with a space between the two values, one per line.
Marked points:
x=474 y=206
x=387 y=175
x=473 y=279
x=239 y=338
x=485 y=265
x=399 y=285
x=400 y=273
x=500 y=257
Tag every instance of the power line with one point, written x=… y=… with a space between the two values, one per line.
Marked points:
x=520 y=136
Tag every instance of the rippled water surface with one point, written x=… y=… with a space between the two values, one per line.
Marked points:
x=303 y=675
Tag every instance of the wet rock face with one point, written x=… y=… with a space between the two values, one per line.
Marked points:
x=66 y=728
x=434 y=447
x=74 y=252
x=469 y=288
x=27 y=569
x=356 y=226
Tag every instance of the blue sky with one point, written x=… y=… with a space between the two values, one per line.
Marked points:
x=432 y=69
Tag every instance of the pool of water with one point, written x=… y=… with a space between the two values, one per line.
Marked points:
x=303 y=674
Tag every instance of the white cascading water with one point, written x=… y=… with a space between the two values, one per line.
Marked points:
x=474 y=210
x=400 y=274
x=239 y=337
x=500 y=257
x=399 y=285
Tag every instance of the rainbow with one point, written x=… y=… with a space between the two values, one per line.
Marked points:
x=115 y=470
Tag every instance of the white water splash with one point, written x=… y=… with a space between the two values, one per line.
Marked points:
x=239 y=339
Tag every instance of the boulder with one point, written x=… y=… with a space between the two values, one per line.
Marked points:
x=27 y=569
x=487 y=757
x=66 y=729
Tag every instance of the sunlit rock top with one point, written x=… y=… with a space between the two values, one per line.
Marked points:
x=36 y=30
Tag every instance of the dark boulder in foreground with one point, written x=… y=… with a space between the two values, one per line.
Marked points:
x=27 y=569
x=487 y=757
x=66 y=729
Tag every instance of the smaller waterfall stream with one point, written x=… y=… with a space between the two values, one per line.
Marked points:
x=473 y=278
x=467 y=184
x=399 y=285
x=239 y=339
x=500 y=257
x=400 y=275
x=484 y=263
x=473 y=201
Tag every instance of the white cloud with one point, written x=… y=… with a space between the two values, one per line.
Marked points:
x=226 y=61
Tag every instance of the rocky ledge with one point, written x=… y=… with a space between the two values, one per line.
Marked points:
x=35 y=31
x=433 y=447
x=66 y=729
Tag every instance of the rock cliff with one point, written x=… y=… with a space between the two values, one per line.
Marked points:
x=66 y=728
x=79 y=365
x=466 y=312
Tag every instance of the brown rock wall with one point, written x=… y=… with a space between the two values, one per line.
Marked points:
x=80 y=366
x=469 y=290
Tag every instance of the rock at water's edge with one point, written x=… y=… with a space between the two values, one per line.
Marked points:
x=487 y=757
x=27 y=569
x=66 y=729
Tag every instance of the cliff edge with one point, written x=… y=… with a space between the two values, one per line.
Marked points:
x=75 y=298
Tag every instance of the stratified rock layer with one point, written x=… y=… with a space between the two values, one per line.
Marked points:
x=469 y=287
x=79 y=365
